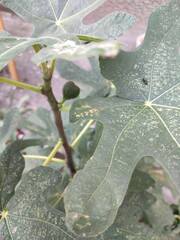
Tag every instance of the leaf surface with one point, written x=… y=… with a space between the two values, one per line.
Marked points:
x=55 y=21
x=69 y=50
x=29 y=215
x=11 y=167
x=12 y=46
x=10 y=123
x=143 y=120
x=65 y=17
x=131 y=221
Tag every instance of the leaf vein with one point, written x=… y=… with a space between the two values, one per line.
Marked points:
x=162 y=121
x=40 y=220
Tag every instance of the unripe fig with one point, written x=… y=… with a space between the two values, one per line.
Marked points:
x=70 y=90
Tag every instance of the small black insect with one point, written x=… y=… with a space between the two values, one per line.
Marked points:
x=145 y=81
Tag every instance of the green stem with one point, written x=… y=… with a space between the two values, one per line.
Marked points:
x=20 y=85
x=36 y=48
x=59 y=144
x=77 y=139
x=44 y=158
x=59 y=124
x=52 y=154
x=65 y=108
x=44 y=67
x=89 y=39
x=60 y=104
x=52 y=66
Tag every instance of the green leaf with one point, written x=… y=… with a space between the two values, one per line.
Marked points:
x=131 y=221
x=11 y=167
x=142 y=121
x=10 y=124
x=41 y=125
x=66 y=16
x=29 y=215
x=56 y=200
x=69 y=50
x=88 y=144
x=140 y=181
x=70 y=71
x=12 y=46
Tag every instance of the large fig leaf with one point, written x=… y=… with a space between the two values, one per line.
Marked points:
x=54 y=20
x=66 y=16
x=28 y=215
x=142 y=121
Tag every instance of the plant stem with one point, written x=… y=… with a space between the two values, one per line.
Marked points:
x=52 y=66
x=89 y=39
x=77 y=139
x=44 y=67
x=52 y=154
x=20 y=85
x=58 y=121
x=65 y=108
x=36 y=48
x=59 y=144
x=47 y=91
x=44 y=158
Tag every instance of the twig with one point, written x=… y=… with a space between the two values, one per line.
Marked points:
x=53 y=153
x=77 y=139
x=20 y=85
x=58 y=121
x=44 y=158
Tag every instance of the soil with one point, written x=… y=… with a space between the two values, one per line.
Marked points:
x=29 y=73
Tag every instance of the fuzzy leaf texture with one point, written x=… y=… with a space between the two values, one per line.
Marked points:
x=11 y=167
x=55 y=21
x=29 y=214
x=142 y=120
x=131 y=221
x=66 y=16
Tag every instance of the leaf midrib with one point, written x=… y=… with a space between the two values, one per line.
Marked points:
x=72 y=16
x=166 y=127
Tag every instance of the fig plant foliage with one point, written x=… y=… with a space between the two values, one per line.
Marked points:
x=128 y=110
